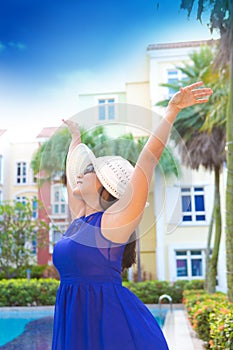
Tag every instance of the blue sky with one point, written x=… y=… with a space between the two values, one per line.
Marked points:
x=51 y=50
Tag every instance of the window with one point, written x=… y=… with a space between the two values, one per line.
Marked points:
x=106 y=109
x=1 y=169
x=59 y=206
x=193 y=204
x=32 y=176
x=55 y=234
x=31 y=246
x=173 y=76
x=21 y=173
x=21 y=199
x=34 y=247
x=189 y=264
x=34 y=202
x=34 y=208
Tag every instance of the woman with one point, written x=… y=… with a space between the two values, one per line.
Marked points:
x=107 y=197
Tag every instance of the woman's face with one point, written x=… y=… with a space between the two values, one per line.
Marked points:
x=88 y=184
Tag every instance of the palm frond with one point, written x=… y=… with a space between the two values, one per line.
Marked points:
x=197 y=128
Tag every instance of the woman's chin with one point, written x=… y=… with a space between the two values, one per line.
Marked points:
x=77 y=192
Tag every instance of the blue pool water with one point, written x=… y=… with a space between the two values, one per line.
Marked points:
x=159 y=315
x=31 y=329
x=19 y=325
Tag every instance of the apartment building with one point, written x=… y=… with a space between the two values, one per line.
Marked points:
x=183 y=206
x=175 y=247
x=52 y=194
x=4 y=157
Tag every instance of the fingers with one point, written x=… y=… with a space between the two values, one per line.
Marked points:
x=64 y=121
x=202 y=92
x=69 y=122
x=197 y=93
x=192 y=86
x=202 y=100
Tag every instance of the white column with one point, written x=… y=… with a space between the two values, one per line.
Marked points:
x=160 y=229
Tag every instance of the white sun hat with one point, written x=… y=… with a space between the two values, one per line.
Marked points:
x=114 y=172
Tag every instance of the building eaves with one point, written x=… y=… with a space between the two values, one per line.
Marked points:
x=179 y=45
x=2 y=131
x=46 y=132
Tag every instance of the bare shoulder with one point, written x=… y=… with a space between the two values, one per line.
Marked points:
x=118 y=226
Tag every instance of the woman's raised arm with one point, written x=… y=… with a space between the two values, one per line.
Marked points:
x=120 y=220
x=75 y=204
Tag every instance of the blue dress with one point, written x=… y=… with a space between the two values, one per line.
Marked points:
x=93 y=311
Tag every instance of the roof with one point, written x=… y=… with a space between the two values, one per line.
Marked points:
x=47 y=132
x=179 y=45
x=2 y=131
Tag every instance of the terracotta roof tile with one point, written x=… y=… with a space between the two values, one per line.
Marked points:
x=178 y=45
x=2 y=131
x=46 y=132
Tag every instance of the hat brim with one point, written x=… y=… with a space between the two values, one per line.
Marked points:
x=82 y=156
x=78 y=160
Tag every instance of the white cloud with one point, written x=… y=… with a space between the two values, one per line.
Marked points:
x=2 y=47
x=12 y=45
x=17 y=45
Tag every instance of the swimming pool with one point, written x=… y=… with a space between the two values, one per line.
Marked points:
x=31 y=328
x=26 y=328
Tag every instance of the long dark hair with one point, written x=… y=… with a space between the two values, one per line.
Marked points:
x=129 y=255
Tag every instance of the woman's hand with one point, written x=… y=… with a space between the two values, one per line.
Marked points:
x=73 y=128
x=191 y=95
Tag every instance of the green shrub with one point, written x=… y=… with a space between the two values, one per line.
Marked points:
x=193 y=298
x=36 y=271
x=211 y=316
x=150 y=291
x=200 y=319
x=23 y=292
x=194 y=285
x=42 y=291
x=221 y=328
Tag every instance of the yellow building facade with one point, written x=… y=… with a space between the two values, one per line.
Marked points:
x=22 y=182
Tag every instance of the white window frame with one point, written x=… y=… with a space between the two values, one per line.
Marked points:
x=21 y=176
x=173 y=258
x=34 y=210
x=55 y=227
x=32 y=177
x=179 y=75
x=193 y=213
x=188 y=257
x=21 y=199
x=61 y=201
x=106 y=104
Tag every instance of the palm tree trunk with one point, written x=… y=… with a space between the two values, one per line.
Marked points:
x=229 y=189
x=213 y=263
x=210 y=233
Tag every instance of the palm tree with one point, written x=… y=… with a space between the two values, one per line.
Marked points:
x=198 y=146
x=51 y=156
x=221 y=18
